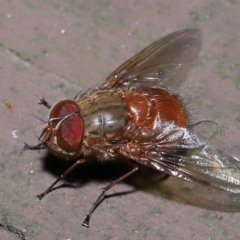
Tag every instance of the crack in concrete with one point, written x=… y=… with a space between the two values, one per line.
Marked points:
x=17 y=56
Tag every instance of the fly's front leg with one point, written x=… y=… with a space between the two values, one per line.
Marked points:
x=26 y=146
x=33 y=147
x=43 y=102
x=49 y=189
x=102 y=195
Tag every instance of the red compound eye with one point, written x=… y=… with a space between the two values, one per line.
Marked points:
x=70 y=132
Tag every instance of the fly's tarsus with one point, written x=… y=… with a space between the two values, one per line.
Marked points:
x=42 y=101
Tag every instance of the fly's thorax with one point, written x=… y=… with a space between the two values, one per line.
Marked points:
x=104 y=116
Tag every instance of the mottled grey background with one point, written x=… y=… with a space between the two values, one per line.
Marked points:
x=56 y=49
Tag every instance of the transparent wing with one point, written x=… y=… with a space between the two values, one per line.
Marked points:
x=180 y=153
x=212 y=167
x=207 y=166
x=160 y=63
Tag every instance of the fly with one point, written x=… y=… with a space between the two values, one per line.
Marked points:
x=135 y=117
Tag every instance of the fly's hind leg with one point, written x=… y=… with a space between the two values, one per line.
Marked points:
x=102 y=195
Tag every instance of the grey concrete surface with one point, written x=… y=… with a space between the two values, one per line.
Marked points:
x=56 y=49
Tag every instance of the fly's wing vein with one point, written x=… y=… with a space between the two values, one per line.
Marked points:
x=186 y=157
x=160 y=63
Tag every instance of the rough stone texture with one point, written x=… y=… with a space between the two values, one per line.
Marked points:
x=56 y=49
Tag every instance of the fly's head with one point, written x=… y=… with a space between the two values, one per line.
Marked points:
x=63 y=133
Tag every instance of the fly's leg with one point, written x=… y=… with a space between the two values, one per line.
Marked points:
x=102 y=196
x=33 y=147
x=26 y=146
x=43 y=102
x=49 y=189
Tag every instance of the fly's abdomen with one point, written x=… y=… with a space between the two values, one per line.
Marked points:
x=151 y=111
